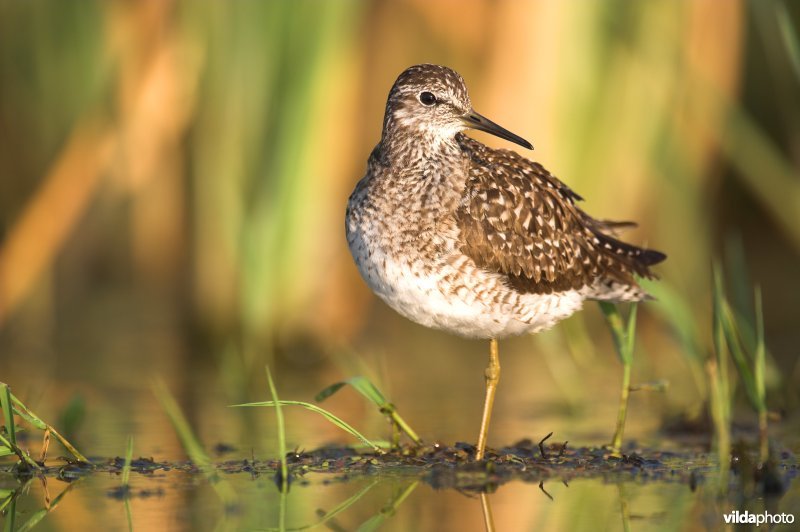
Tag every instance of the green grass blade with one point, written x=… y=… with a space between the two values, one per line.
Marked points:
x=126 y=467
x=34 y=519
x=614 y=320
x=759 y=374
x=10 y=515
x=126 y=477
x=128 y=514
x=324 y=413
x=789 y=36
x=25 y=457
x=284 y=480
x=330 y=390
x=733 y=337
x=718 y=319
x=678 y=314
x=719 y=385
x=191 y=445
x=375 y=522
x=341 y=507
x=366 y=388
x=624 y=336
x=8 y=414
x=362 y=384
x=759 y=367
x=630 y=332
x=28 y=415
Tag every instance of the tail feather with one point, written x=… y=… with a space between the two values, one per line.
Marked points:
x=612 y=227
x=634 y=256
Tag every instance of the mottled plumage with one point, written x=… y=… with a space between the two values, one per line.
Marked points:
x=519 y=220
x=477 y=241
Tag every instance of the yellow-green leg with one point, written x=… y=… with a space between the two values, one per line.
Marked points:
x=492 y=378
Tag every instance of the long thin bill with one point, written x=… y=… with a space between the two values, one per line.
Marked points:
x=479 y=122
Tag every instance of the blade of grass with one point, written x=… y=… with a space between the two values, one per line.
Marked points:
x=128 y=514
x=126 y=477
x=788 y=36
x=624 y=507
x=630 y=332
x=733 y=338
x=282 y=506
x=11 y=442
x=624 y=335
x=324 y=413
x=759 y=375
x=8 y=415
x=718 y=376
x=284 y=473
x=34 y=519
x=23 y=456
x=677 y=313
x=9 y=509
x=192 y=446
x=126 y=467
x=746 y=354
x=27 y=414
x=374 y=522
x=328 y=516
x=341 y=507
x=366 y=388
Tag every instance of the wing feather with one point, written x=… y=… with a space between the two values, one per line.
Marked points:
x=519 y=220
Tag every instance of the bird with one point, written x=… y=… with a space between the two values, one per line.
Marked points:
x=476 y=241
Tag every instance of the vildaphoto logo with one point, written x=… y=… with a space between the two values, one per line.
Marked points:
x=763 y=518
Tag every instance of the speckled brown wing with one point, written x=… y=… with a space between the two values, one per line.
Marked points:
x=518 y=220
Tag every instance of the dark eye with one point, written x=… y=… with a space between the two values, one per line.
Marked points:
x=427 y=98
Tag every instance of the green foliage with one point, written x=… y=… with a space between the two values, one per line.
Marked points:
x=788 y=33
x=624 y=334
x=126 y=477
x=397 y=498
x=8 y=415
x=192 y=446
x=126 y=466
x=366 y=388
x=338 y=422
x=11 y=406
x=731 y=332
x=72 y=415
x=284 y=472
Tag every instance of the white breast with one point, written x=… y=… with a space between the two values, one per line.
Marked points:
x=449 y=292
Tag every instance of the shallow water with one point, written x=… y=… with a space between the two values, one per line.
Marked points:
x=645 y=494
x=439 y=396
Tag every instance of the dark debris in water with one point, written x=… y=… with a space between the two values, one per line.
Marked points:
x=444 y=466
x=454 y=466
x=126 y=492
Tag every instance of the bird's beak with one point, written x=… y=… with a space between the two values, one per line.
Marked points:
x=475 y=121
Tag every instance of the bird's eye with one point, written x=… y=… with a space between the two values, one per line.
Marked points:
x=427 y=98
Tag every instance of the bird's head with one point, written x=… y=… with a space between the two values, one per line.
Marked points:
x=432 y=101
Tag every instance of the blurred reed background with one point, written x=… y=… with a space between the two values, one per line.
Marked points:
x=173 y=179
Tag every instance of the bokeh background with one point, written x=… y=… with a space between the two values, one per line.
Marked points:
x=173 y=179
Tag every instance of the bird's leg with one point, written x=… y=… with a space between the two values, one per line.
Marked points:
x=488 y=518
x=492 y=378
